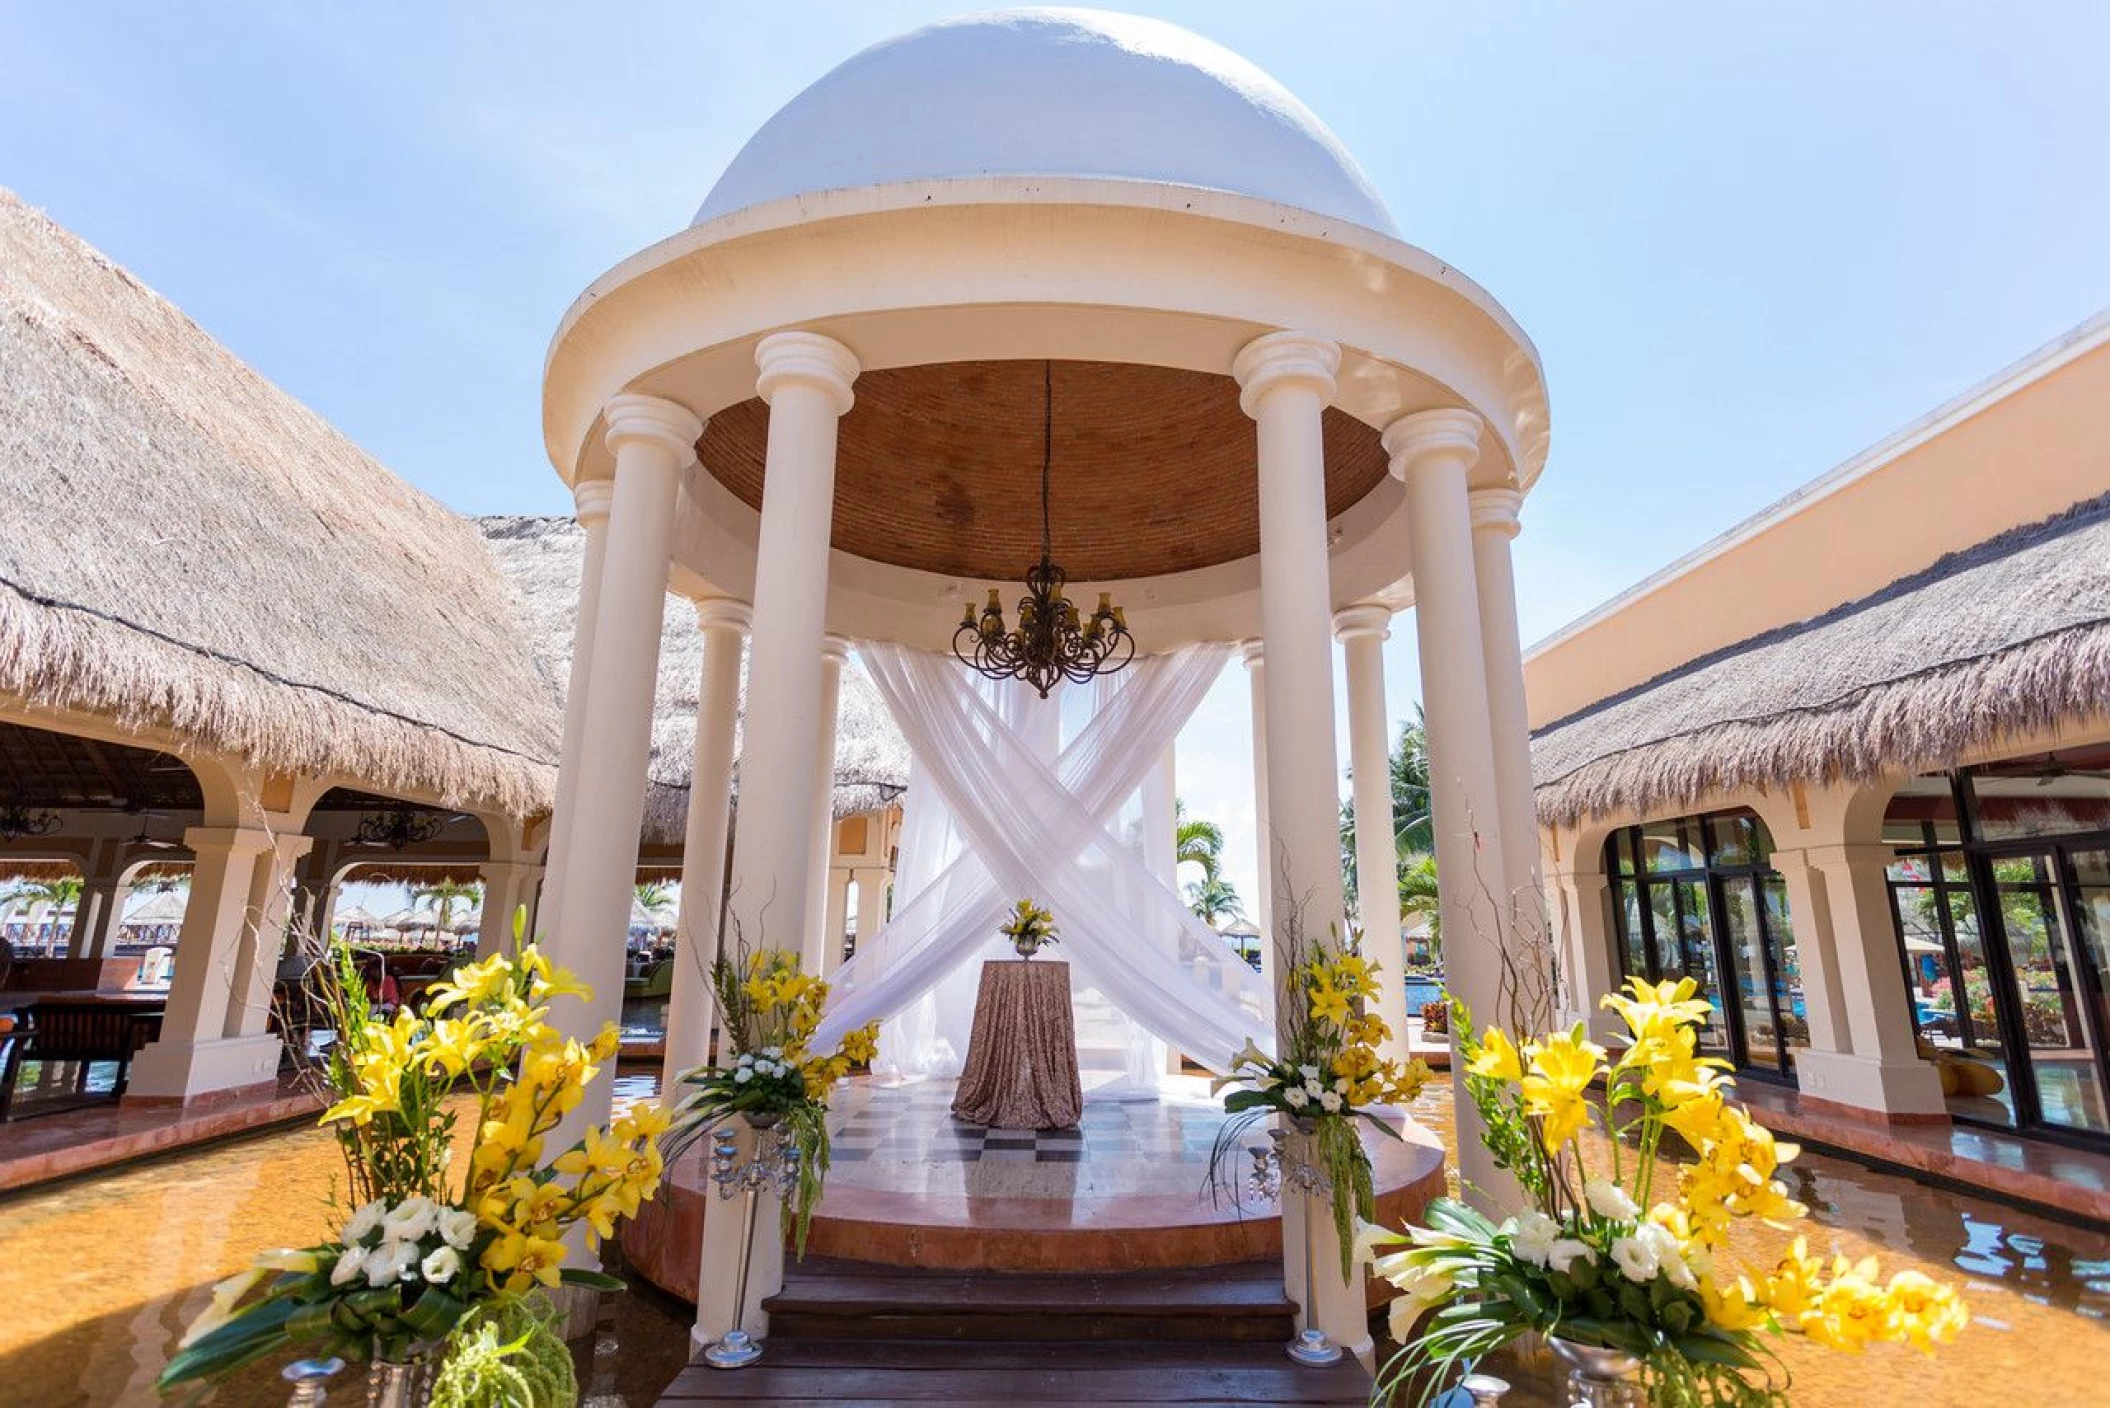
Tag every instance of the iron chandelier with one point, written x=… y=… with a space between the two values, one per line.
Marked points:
x=1053 y=641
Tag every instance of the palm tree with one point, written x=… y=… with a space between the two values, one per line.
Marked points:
x=1196 y=842
x=1417 y=897
x=654 y=897
x=44 y=897
x=444 y=894
x=1214 y=900
x=1413 y=831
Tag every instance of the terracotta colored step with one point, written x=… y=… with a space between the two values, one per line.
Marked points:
x=880 y=1373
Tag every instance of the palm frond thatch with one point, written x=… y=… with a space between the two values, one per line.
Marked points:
x=186 y=547
x=541 y=558
x=2008 y=637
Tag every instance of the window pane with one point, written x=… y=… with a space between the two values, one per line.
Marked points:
x=1787 y=965
x=2049 y=802
x=1927 y=962
x=2062 y=1059
x=1753 y=994
x=1736 y=839
x=1696 y=942
x=1622 y=852
x=1626 y=907
x=1672 y=845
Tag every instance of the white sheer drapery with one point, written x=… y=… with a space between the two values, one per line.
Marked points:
x=1032 y=827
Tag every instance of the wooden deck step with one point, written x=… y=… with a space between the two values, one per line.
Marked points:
x=849 y=1301
x=885 y=1373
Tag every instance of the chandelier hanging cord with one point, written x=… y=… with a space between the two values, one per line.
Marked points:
x=1052 y=641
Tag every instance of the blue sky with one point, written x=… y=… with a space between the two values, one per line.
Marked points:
x=1748 y=239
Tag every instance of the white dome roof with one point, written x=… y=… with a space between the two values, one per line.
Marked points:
x=1050 y=92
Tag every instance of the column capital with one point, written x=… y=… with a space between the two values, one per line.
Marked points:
x=1367 y=618
x=203 y=841
x=808 y=359
x=1427 y=437
x=835 y=649
x=591 y=499
x=1285 y=359
x=635 y=418
x=1253 y=652
x=724 y=611
x=1496 y=510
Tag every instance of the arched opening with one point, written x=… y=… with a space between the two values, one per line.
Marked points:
x=2000 y=892
x=1697 y=897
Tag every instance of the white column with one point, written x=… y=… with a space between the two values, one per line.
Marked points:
x=806 y=379
x=1432 y=451
x=102 y=903
x=1285 y=381
x=652 y=440
x=508 y=884
x=689 y=1012
x=821 y=848
x=1581 y=900
x=1363 y=631
x=591 y=499
x=871 y=905
x=838 y=920
x=1255 y=658
x=1863 y=1050
x=193 y=1056
x=263 y=939
x=1494 y=518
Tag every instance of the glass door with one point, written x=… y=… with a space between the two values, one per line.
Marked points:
x=2052 y=987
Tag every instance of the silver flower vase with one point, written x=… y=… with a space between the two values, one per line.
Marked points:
x=1599 y=1377
x=400 y=1383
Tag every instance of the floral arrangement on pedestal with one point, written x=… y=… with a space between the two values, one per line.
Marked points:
x=1623 y=1257
x=768 y=1012
x=1328 y=1077
x=425 y=1264
x=1029 y=927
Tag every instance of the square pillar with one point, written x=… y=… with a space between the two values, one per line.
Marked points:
x=263 y=938
x=194 y=1056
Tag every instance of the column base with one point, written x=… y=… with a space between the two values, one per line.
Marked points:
x=181 y=1071
x=1883 y=1088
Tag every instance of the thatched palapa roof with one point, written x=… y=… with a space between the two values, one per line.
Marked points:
x=2007 y=637
x=542 y=556
x=185 y=546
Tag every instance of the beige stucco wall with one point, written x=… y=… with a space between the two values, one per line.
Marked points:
x=2026 y=444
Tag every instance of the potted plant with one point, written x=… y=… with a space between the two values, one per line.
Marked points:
x=1030 y=928
x=428 y=1262
x=1621 y=1259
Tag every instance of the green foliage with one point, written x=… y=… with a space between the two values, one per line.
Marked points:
x=507 y=1354
x=1196 y=842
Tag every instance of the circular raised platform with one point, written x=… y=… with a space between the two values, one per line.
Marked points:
x=1124 y=1191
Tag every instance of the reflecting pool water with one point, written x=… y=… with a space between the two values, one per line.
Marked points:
x=105 y=1272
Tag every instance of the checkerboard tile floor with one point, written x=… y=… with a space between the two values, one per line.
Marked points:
x=914 y=1124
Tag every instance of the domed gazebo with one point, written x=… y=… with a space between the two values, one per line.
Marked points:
x=818 y=412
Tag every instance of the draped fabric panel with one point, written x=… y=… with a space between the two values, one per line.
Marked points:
x=1015 y=824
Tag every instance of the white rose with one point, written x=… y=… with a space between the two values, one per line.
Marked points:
x=1340 y=1085
x=1566 y=1251
x=1531 y=1237
x=773 y=1052
x=747 y=1058
x=457 y=1227
x=1308 y=1072
x=364 y=1222
x=441 y=1266
x=1636 y=1259
x=1314 y=1088
x=743 y=1076
x=1329 y=1102
x=1608 y=1199
x=348 y=1268
x=391 y=1261
x=1295 y=1098
x=411 y=1221
x=1670 y=1257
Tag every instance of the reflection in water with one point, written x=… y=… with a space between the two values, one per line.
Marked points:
x=105 y=1272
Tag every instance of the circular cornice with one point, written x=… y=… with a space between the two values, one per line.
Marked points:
x=652 y=420
x=592 y=498
x=1285 y=359
x=1433 y=435
x=805 y=359
x=1362 y=619
x=724 y=611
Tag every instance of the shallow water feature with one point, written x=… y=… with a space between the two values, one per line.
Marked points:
x=105 y=1272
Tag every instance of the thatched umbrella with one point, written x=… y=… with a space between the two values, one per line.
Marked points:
x=247 y=578
x=2008 y=637
x=541 y=558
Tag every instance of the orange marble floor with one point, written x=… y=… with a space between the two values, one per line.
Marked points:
x=40 y=1148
